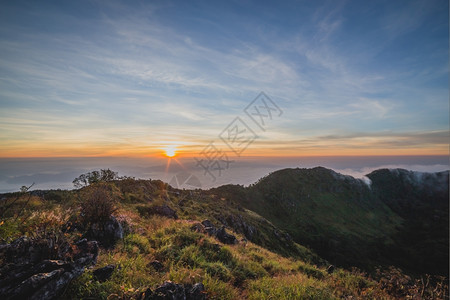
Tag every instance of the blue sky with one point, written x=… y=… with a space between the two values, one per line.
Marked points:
x=105 y=78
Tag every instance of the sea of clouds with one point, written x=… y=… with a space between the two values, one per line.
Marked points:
x=58 y=173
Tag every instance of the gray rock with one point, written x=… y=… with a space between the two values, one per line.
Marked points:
x=106 y=233
x=173 y=291
x=239 y=225
x=225 y=237
x=30 y=271
x=220 y=234
x=197 y=292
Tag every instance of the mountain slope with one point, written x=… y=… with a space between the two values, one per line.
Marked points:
x=156 y=240
x=353 y=224
x=422 y=200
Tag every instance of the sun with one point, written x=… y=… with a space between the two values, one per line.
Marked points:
x=171 y=151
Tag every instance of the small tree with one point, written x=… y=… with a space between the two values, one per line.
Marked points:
x=94 y=177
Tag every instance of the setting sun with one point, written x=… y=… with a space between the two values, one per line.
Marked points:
x=170 y=151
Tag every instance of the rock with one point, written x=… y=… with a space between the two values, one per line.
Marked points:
x=220 y=234
x=84 y=246
x=30 y=271
x=283 y=237
x=330 y=269
x=103 y=274
x=158 y=266
x=208 y=227
x=106 y=233
x=145 y=295
x=198 y=227
x=172 y=291
x=207 y=223
x=225 y=237
x=197 y=292
x=163 y=210
x=239 y=225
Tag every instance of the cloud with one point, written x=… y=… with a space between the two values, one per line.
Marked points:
x=124 y=75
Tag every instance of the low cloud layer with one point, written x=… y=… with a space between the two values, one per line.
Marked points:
x=59 y=173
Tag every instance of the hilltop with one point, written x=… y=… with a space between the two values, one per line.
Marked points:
x=393 y=217
x=296 y=233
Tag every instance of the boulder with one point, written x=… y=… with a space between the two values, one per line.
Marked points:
x=239 y=225
x=220 y=234
x=330 y=269
x=225 y=237
x=41 y=268
x=197 y=292
x=106 y=233
x=173 y=291
x=209 y=228
x=103 y=274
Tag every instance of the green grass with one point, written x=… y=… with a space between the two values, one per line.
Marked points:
x=338 y=217
x=267 y=268
x=288 y=287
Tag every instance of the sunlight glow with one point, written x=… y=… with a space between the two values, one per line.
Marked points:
x=170 y=151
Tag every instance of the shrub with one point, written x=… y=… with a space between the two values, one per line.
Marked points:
x=98 y=204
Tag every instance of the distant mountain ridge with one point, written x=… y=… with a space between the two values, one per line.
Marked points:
x=400 y=218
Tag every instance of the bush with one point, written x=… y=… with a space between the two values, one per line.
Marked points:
x=98 y=205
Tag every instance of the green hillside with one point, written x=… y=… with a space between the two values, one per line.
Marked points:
x=351 y=223
x=216 y=244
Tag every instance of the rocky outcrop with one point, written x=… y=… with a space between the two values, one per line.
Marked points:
x=207 y=227
x=225 y=237
x=283 y=237
x=172 y=291
x=42 y=268
x=106 y=233
x=239 y=225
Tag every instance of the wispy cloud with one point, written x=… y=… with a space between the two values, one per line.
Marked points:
x=116 y=74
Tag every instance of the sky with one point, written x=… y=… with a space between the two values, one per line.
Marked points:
x=111 y=78
x=242 y=78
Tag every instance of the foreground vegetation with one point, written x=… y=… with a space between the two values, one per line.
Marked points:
x=157 y=247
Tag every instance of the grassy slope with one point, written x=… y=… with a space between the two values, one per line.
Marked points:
x=271 y=267
x=242 y=271
x=422 y=199
x=335 y=215
x=350 y=224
